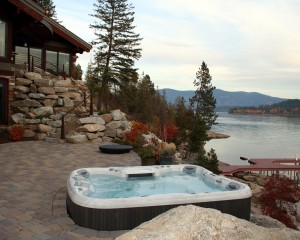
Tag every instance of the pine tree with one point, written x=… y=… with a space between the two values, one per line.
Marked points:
x=49 y=6
x=204 y=102
x=116 y=43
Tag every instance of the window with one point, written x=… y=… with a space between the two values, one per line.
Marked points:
x=64 y=62
x=57 y=60
x=51 y=62
x=3 y=38
x=21 y=55
x=36 y=53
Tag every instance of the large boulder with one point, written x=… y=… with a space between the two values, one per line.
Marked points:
x=92 y=119
x=192 y=222
x=46 y=90
x=21 y=89
x=118 y=115
x=79 y=138
x=90 y=128
x=23 y=82
x=26 y=103
x=47 y=110
x=33 y=76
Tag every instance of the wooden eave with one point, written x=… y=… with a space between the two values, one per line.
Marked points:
x=38 y=13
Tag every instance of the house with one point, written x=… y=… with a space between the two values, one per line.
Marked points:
x=28 y=39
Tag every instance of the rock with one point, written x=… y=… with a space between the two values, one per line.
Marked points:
x=90 y=128
x=266 y=221
x=56 y=124
x=41 y=136
x=117 y=115
x=32 y=121
x=43 y=82
x=107 y=139
x=71 y=95
x=119 y=133
x=21 y=89
x=63 y=83
x=33 y=76
x=192 y=222
x=92 y=136
x=29 y=133
x=30 y=115
x=42 y=128
x=216 y=135
x=46 y=90
x=60 y=89
x=33 y=88
x=249 y=178
x=261 y=181
x=96 y=140
x=23 y=82
x=68 y=102
x=52 y=97
x=19 y=95
x=55 y=116
x=92 y=119
x=43 y=111
x=18 y=118
x=110 y=132
x=36 y=95
x=26 y=103
x=107 y=117
x=114 y=124
x=77 y=139
x=24 y=110
x=49 y=102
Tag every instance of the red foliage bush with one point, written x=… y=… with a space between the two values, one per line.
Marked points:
x=136 y=130
x=277 y=199
x=169 y=132
x=16 y=132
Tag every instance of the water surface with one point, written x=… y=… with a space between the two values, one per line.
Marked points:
x=256 y=136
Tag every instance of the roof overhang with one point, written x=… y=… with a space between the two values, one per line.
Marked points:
x=39 y=14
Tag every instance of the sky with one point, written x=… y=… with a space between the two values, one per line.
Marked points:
x=248 y=45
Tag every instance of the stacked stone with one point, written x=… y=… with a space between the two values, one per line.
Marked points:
x=103 y=128
x=41 y=100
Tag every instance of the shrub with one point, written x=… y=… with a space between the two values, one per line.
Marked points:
x=278 y=199
x=16 y=132
x=169 y=132
x=137 y=129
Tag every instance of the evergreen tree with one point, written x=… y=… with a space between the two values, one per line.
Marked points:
x=145 y=96
x=204 y=102
x=116 y=43
x=49 y=6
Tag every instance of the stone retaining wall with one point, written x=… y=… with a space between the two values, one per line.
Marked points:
x=40 y=100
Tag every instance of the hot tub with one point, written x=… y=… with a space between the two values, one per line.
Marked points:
x=94 y=199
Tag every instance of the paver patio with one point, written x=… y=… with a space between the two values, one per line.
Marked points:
x=33 y=179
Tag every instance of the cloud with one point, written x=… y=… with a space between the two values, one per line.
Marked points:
x=248 y=45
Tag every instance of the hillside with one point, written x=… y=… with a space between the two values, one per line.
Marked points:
x=288 y=107
x=226 y=99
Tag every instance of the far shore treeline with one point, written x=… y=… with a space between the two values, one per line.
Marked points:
x=288 y=107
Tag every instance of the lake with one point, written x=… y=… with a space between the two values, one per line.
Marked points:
x=256 y=136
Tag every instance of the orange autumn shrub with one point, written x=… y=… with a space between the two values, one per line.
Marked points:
x=16 y=132
x=169 y=131
x=137 y=129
